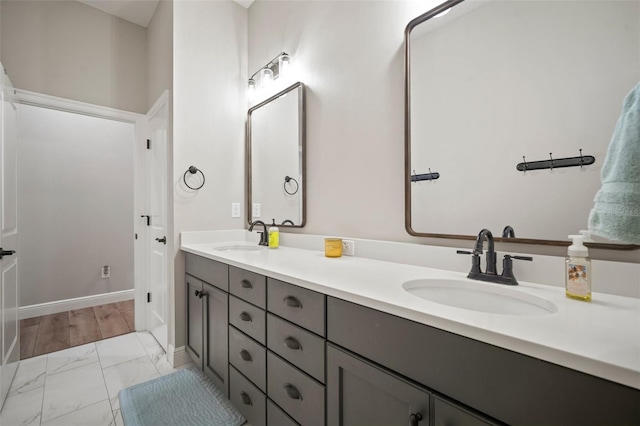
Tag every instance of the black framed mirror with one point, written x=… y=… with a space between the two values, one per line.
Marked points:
x=275 y=159
x=491 y=86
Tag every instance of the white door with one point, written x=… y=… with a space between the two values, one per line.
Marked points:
x=157 y=235
x=9 y=321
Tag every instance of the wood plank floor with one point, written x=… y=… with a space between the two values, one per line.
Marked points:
x=50 y=333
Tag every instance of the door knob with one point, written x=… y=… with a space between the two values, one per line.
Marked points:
x=4 y=253
x=162 y=240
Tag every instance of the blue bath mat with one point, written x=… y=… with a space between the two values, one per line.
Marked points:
x=186 y=397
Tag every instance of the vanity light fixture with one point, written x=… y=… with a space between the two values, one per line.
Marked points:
x=272 y=70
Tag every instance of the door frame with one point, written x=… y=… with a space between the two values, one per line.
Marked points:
x=139 y=178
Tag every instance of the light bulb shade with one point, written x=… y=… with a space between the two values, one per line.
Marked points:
x=251 y=92
x=266 y=76
x=284 y=65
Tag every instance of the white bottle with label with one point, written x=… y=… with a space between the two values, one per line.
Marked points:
x=577 y=272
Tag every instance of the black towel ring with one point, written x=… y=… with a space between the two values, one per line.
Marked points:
x=193 y=170
x=287 y=179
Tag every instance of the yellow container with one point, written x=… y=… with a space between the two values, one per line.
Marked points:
x=333 y=247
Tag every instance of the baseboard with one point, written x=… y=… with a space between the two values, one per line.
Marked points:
x=177 y=356
x=76 y=303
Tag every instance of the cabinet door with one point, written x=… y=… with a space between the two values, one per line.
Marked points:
x=449 y=414
x=216 y=342
x=194 y=344
x=359 y=393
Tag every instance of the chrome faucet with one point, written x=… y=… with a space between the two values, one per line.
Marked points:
x=264 y=236
x=490 y=274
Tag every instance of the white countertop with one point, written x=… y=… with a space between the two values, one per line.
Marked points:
x=601 y=337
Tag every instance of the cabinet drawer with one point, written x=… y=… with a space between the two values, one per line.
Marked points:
x=248 y=318
x=249 y=357
x=277 y=417
x=299 y=305
x=296 y=345
x=210 y=271
x=247 y=398
x=449 y=414
x=248 y=285
x=298 y=394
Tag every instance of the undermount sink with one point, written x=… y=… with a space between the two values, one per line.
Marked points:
x=481 y=297
x=239 y=247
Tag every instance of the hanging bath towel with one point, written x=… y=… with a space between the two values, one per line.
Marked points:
x=616 y=213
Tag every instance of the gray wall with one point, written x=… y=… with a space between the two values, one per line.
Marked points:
x=160 y=52
x=75 y=204
x=209 y=48
x=71 y=50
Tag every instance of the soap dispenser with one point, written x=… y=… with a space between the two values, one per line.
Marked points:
x=578 y=270
x=274 y=235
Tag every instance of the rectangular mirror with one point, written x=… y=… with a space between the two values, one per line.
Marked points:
x=275 y=153
x=494 y=86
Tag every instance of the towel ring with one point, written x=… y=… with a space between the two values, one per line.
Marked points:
x=288 y=179
x=193 y=170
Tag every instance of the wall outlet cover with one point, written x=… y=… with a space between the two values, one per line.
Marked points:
x=235 y=209
x=105 y=271
x=348 y=247
x=256 y=210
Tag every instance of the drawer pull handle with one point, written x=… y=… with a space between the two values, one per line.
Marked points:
x=245 y=317
x=292 y=343
x=246 y=356
x=292 y=391
x=292 y=302
x=414 y=419
x=246 y=284
x=246 y=400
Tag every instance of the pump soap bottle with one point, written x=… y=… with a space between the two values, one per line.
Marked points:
x=274 y=235
x=578 y=270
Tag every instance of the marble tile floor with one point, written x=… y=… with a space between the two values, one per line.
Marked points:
x=80 y=385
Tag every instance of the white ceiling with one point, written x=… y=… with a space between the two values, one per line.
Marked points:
x=137 y=11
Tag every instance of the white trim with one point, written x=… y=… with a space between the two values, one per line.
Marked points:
x=76 y=303
x=53 y=102
x=177 y=356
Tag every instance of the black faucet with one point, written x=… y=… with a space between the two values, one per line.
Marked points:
x=264 y=236
x=491 y=253
x=491 y=275
x=508 y=232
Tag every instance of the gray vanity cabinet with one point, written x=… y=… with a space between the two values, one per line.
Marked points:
x=511 y=387
x=360 y=393
x=207 y=307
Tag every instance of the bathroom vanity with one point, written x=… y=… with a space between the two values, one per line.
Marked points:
x=296 y=338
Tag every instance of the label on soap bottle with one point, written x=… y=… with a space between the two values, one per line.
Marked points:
x=577 y=279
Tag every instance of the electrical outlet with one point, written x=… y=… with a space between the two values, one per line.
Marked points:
x=348 y=247
x=235 y=209
x=256 y=210
x=105 y=271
